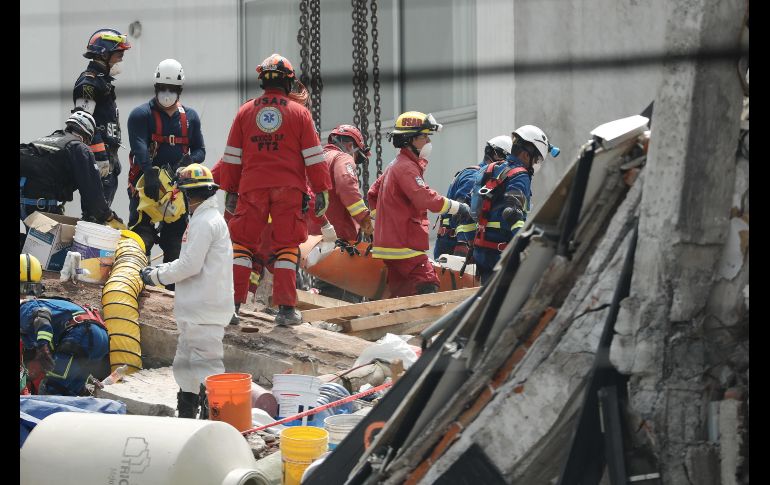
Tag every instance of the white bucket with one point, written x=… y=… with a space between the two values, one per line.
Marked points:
x=96 y=245
x=339 y=426
x=113 y=448
x=295 y=393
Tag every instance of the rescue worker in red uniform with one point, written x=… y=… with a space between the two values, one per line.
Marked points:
x=401 y=199
x=271 y=151
x=347 y=210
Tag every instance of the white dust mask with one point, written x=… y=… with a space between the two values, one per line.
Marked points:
x=167 y=98
x=426 y=150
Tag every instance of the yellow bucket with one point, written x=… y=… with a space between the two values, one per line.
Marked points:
x=300 y=445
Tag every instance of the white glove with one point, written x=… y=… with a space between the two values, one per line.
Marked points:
x=104 y=167
x=328 y=233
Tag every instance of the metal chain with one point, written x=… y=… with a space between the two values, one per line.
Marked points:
x=303 y=38
x=361 y=105
x=316 y=84
x=376 y=85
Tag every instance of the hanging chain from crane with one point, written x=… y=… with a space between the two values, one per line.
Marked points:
x=361 y=105
x=376 y=84
x=316 y=83
x=303 y=39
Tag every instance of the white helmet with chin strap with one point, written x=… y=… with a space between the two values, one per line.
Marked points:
x=537 y=137
x=503 y=142
x=169 y=71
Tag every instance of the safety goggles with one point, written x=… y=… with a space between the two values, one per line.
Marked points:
x=168 y=87
x=121 y=40
x=431 y=124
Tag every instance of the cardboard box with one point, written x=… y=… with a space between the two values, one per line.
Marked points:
x=49 y=236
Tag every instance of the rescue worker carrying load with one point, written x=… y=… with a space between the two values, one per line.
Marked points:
x=347 y=212
x=63 y=341
x=272 y=152
x=51 y=168
x=164 y=135
x=95 y=93
x=502 y=195
x=456 y=236
x=401 y=199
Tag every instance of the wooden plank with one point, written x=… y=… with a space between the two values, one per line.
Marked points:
x=379 y=306
x=308 y=301
x=260 y=315
x=401 y=328
x=403 y=316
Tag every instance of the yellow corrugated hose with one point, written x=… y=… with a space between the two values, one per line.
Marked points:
x=120 y=305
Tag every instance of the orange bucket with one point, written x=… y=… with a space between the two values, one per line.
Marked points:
x=229 y=398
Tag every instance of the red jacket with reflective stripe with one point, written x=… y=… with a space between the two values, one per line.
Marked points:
x=402 y=198
x=273 y=143
x=346 y=206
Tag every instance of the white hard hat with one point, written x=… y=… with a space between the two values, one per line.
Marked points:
x=169 y=71
x=83 y=122
x=503 y=142
x=536 y=136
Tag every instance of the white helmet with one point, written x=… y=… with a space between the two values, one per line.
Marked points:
x=83 y=123
x=169 y=71
x=503 y=142
x=536 y=136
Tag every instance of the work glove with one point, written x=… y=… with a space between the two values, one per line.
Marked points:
x=152 y=184
x=321 y=203
x=367 y=226
x=149 y=276
x=103 y=166
x=43 y=358
x=328 y=232
x=231 y=202
x=462 y=215
x=185 y=160
x=254 y=282
x=515 y=211
x=115 y=222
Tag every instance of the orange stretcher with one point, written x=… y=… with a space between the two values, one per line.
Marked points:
x=364 y=275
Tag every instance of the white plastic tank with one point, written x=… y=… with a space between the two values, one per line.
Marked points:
x=111 y=449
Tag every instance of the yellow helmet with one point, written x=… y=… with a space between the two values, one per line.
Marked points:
x=193 y=176
x=415 y=122
x=30 y=270
x=30 y=274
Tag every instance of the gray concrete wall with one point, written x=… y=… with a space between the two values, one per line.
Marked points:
x=567 y=105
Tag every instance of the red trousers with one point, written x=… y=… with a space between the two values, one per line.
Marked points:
x=247 y=227
x=405 y=275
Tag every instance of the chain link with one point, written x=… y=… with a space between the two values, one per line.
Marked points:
x=361 y=104
x=303 y=38
x=316 y=83
x=376 y=85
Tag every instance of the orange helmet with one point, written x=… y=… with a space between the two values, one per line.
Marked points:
x=275 y=66
x=354 y=133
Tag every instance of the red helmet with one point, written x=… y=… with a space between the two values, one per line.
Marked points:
x=354 y=133
x=275 y=65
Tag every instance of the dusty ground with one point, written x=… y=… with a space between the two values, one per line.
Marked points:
x=303 y=343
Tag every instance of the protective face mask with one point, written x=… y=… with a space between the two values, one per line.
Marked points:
x=167 y=98
x=115 y=70
x=426 y=150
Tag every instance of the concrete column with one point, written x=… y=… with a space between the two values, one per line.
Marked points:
x=683 y=226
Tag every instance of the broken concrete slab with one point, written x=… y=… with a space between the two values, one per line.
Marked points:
x=148 y=392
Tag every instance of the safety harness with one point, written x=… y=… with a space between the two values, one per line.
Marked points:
x=491 y=183
x=158 y=137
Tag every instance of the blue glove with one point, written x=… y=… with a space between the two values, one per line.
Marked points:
x=146 y=274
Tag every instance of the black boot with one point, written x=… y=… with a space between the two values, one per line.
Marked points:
x=288 y=315
x=204 y=402
x=426 y=288
x=187 y=404
x=235 y=320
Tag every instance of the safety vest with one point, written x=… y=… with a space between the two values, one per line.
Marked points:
x=158 y=137
x=490 y=185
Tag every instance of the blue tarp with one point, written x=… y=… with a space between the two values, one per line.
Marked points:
x=33 y=409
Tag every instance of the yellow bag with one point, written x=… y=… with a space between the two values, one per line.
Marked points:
x=170 y=205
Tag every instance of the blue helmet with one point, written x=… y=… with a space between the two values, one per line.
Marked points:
x=106 y=41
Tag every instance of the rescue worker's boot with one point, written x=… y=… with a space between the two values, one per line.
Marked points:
x=187 y=404
x=425 y=288
x=204 y=402
x=236 y=320
x=288 y=315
